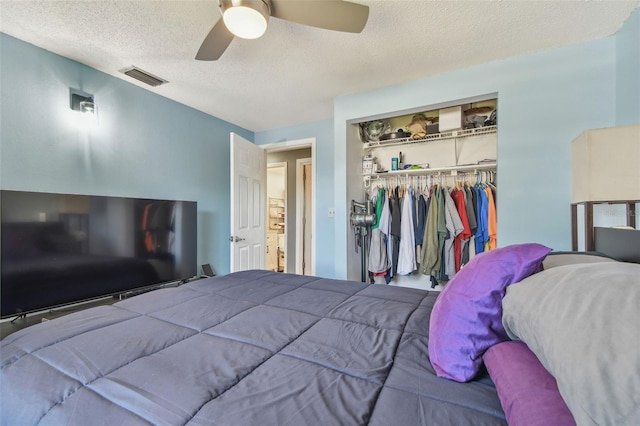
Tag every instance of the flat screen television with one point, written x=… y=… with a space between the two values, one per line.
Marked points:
x=59 y=249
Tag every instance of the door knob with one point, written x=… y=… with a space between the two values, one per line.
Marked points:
x=235 y=239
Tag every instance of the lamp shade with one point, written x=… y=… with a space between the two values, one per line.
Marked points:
x=605 y=165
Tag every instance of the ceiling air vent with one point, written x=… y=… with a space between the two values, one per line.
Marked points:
x=143 y=76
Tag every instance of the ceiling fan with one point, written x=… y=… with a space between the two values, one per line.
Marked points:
x=248 y=19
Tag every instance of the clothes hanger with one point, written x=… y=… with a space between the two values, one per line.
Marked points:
x=492 y=180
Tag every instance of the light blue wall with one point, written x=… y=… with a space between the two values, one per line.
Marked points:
x=323 y=132
x=544 y=101
x=145 y=145
x=628 y=71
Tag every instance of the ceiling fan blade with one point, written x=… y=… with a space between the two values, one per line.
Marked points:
x=334 y=15
x=215 y=43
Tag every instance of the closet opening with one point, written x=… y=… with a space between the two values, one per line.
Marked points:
x=430 y=175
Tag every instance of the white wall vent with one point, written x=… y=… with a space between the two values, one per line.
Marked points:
x=143 y=76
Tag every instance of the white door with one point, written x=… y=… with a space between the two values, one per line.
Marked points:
x=304 y=216
x=248 y=210
x=308 y=218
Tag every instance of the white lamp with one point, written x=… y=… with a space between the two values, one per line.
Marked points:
x=245 y=18
x=605 y=169
x=605 y=165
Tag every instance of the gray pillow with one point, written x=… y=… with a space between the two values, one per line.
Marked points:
x=583 y=323
x=562 y=258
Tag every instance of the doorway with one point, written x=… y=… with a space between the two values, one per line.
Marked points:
x=297 y=218
x=276 y=216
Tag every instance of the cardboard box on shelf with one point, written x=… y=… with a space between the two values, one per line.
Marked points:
x=450 y=119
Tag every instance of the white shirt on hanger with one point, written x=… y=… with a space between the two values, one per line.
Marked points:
x=407 y=256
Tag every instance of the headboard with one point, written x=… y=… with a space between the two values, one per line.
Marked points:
x=620 y=243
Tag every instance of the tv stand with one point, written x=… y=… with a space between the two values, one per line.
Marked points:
x=21 y=321
x=18 y=317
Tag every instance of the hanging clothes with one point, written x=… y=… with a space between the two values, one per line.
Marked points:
x=471 y=209
x=442 y=234
x=482 y=233
x=385 y=228
x=460 y=243
x=470 y=249
x=492 y=227
x=434 y=230
x=407 y=255
x=379 y=261
x=394 y=205
x=429 y=259
x=384 y=223
x=419 y=218
x=419 y=221
x=420 y=246
x=454 y=227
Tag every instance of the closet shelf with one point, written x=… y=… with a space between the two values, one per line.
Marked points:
x=454 y=134
x=433 y=171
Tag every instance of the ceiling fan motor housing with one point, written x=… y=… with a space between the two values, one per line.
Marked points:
x=254 y=4
x=249 y=18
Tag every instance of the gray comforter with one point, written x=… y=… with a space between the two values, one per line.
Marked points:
x=248 y=348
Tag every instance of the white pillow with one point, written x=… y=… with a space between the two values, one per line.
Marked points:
x=555 y=259
x=583 y=323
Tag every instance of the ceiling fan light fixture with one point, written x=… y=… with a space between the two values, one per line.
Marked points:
x=246 y=19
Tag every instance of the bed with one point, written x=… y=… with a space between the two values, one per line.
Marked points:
x=260 y=347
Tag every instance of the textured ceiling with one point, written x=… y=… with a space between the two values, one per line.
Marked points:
x=292 y=74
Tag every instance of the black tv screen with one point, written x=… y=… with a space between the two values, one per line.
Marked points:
x=64 y=248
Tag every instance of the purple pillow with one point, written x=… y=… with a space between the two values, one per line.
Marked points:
x=528 y=392
x=467 y=317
